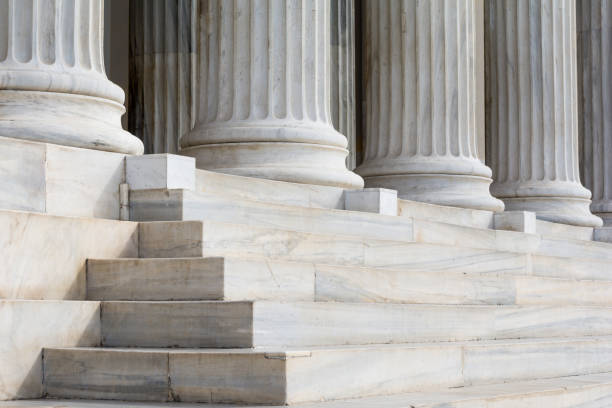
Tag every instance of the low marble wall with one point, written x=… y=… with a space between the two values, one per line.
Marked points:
x=28 y=326
x=43 y=256
x=60 y=180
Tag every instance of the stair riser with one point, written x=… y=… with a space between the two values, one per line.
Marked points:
x=200 y=279
x=247 y=377
x=262 y=324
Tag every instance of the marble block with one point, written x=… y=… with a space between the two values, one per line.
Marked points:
x=159 y=171
x=521 y=221
x=27 y=326
x=376 y=200
x=43 y=256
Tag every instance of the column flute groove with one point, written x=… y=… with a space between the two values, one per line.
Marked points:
x=594 y=19
x=532 y=101
x=292 y=138
x=421 y=103
x=53 y=86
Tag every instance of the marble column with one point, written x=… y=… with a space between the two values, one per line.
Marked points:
x=264 y=99
x=163 y=45
x=531 y=111
x=343 y=73
x=594 y=19
x=53 y=87
x=421 y=124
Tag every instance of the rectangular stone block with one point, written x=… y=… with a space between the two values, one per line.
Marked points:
x=520 y=221
x=376 y=200
x=91 y=373
x=160 y=171
x=44 y=256
x=83 y=182
x=26 y=327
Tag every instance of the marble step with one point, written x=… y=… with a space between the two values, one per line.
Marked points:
x=584 y=391
x=443 y=241
x=305 y=195
x=185 y=205
x=297 y=324
x=177 y=239
x=294 y=375
x=239 y=278
x=272 y=191
x=572 y=268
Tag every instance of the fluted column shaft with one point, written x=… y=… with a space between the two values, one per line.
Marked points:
x=53 y=87
x=264 y=100
x=421 y=107
x=163 y=59
x=343 y=73
x=532 y=123
x=594 y=19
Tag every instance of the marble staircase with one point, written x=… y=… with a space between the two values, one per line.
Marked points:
x=239 y=299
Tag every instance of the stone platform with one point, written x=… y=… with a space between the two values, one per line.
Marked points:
x=225 y=289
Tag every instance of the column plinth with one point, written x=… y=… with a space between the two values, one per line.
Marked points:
x=264 y=99
x=421 y=102
x=532 y=122
x=53 y=85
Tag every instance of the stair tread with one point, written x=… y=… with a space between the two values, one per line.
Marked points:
x=430 y=399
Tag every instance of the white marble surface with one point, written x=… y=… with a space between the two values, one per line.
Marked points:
x=44 y=256
x=54 y=87
x=375 y=200
x=271 y=376
x=197 y=238
x=187 y=205
x=160 y=171
x=83 y=183
x=447 y=214
x=22 y=175
x=26 y=326
x=264 y=95
x=531 y=111
x=585 y=391
x=280 y=192
x=421 y=103
x=233 y=278
x=520 y=221
x=300 y=324
x=60 y=180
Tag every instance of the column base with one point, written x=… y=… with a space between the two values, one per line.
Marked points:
x=564 y=202
x=442 y=189
x=66 y=119
x=443 y=180
x=292 y=162
x=563 y=210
